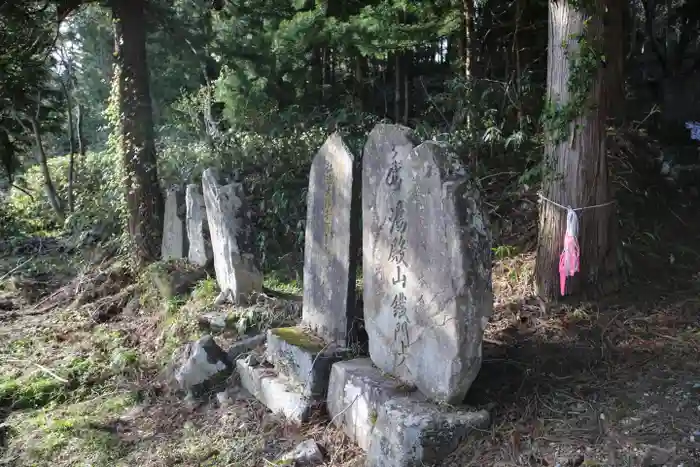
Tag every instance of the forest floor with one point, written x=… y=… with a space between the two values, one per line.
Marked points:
x=605 y=383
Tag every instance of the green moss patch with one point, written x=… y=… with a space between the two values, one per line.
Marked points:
x=297 y=336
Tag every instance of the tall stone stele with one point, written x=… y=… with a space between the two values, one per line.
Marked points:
x=426 y=263
x=174 y=244
x=200 y=252
x=235 y=262
x=303 y=356
x=332 y=245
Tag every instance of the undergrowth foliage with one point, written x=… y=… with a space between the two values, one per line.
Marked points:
x=98 y=194
x=274 y=167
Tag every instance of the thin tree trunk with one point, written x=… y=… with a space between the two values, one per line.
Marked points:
x=577 y=172
x=468 y=12
x=81 y=133
x=49 y=187
x=359 y=81
x=615 y=39
x=397 y=87
x=143 y=194
x=407 y=60
x=71 y=137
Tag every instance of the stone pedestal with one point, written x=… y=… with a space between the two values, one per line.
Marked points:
x=276 y=391
x=395 y=424
x=293 y=378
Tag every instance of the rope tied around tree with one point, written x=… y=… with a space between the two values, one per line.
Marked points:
x=570 y=258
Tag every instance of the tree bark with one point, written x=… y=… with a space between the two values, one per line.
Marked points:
x=49 y=187
x=143 y=194
x=576 y=171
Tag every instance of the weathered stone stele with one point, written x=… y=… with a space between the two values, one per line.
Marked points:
x=200 y=252
x=332 y=241
x=174 y=243
x=237 y=272
x=426 y=264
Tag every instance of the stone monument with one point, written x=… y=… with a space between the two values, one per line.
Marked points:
x=230 y=227
x=427 y=299
x=174 y=243
x=200 y=251
x=426 y=263
x=299 y=359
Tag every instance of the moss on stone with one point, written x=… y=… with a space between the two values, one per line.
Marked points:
x=297 y=336
x=373 y=417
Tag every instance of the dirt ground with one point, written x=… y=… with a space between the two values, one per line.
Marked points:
x=606 y=383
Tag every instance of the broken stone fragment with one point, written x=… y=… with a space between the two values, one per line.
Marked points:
x=171 y=283
x=243 y=346
x=204 y=363
x=306 y=454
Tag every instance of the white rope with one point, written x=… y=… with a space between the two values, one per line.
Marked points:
x=566 y=208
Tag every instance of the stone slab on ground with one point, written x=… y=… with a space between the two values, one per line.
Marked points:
x=397 y=426
x=413 y=433
x=277 y=392
x=245 y=345
x=304 y=358
x=306 y=454
x=426 y=263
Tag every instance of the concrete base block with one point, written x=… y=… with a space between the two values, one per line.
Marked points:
x=396 y=425
x=356 y=391
x=412 y=433
x=304 y=358
x=275 y=391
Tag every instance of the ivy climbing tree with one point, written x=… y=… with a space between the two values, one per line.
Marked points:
x=144 y=199
x=576 y=170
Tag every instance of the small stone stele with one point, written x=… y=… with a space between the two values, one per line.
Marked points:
x=426 y=263
x=200 y=252
x=174 y=244
x=235 y=262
